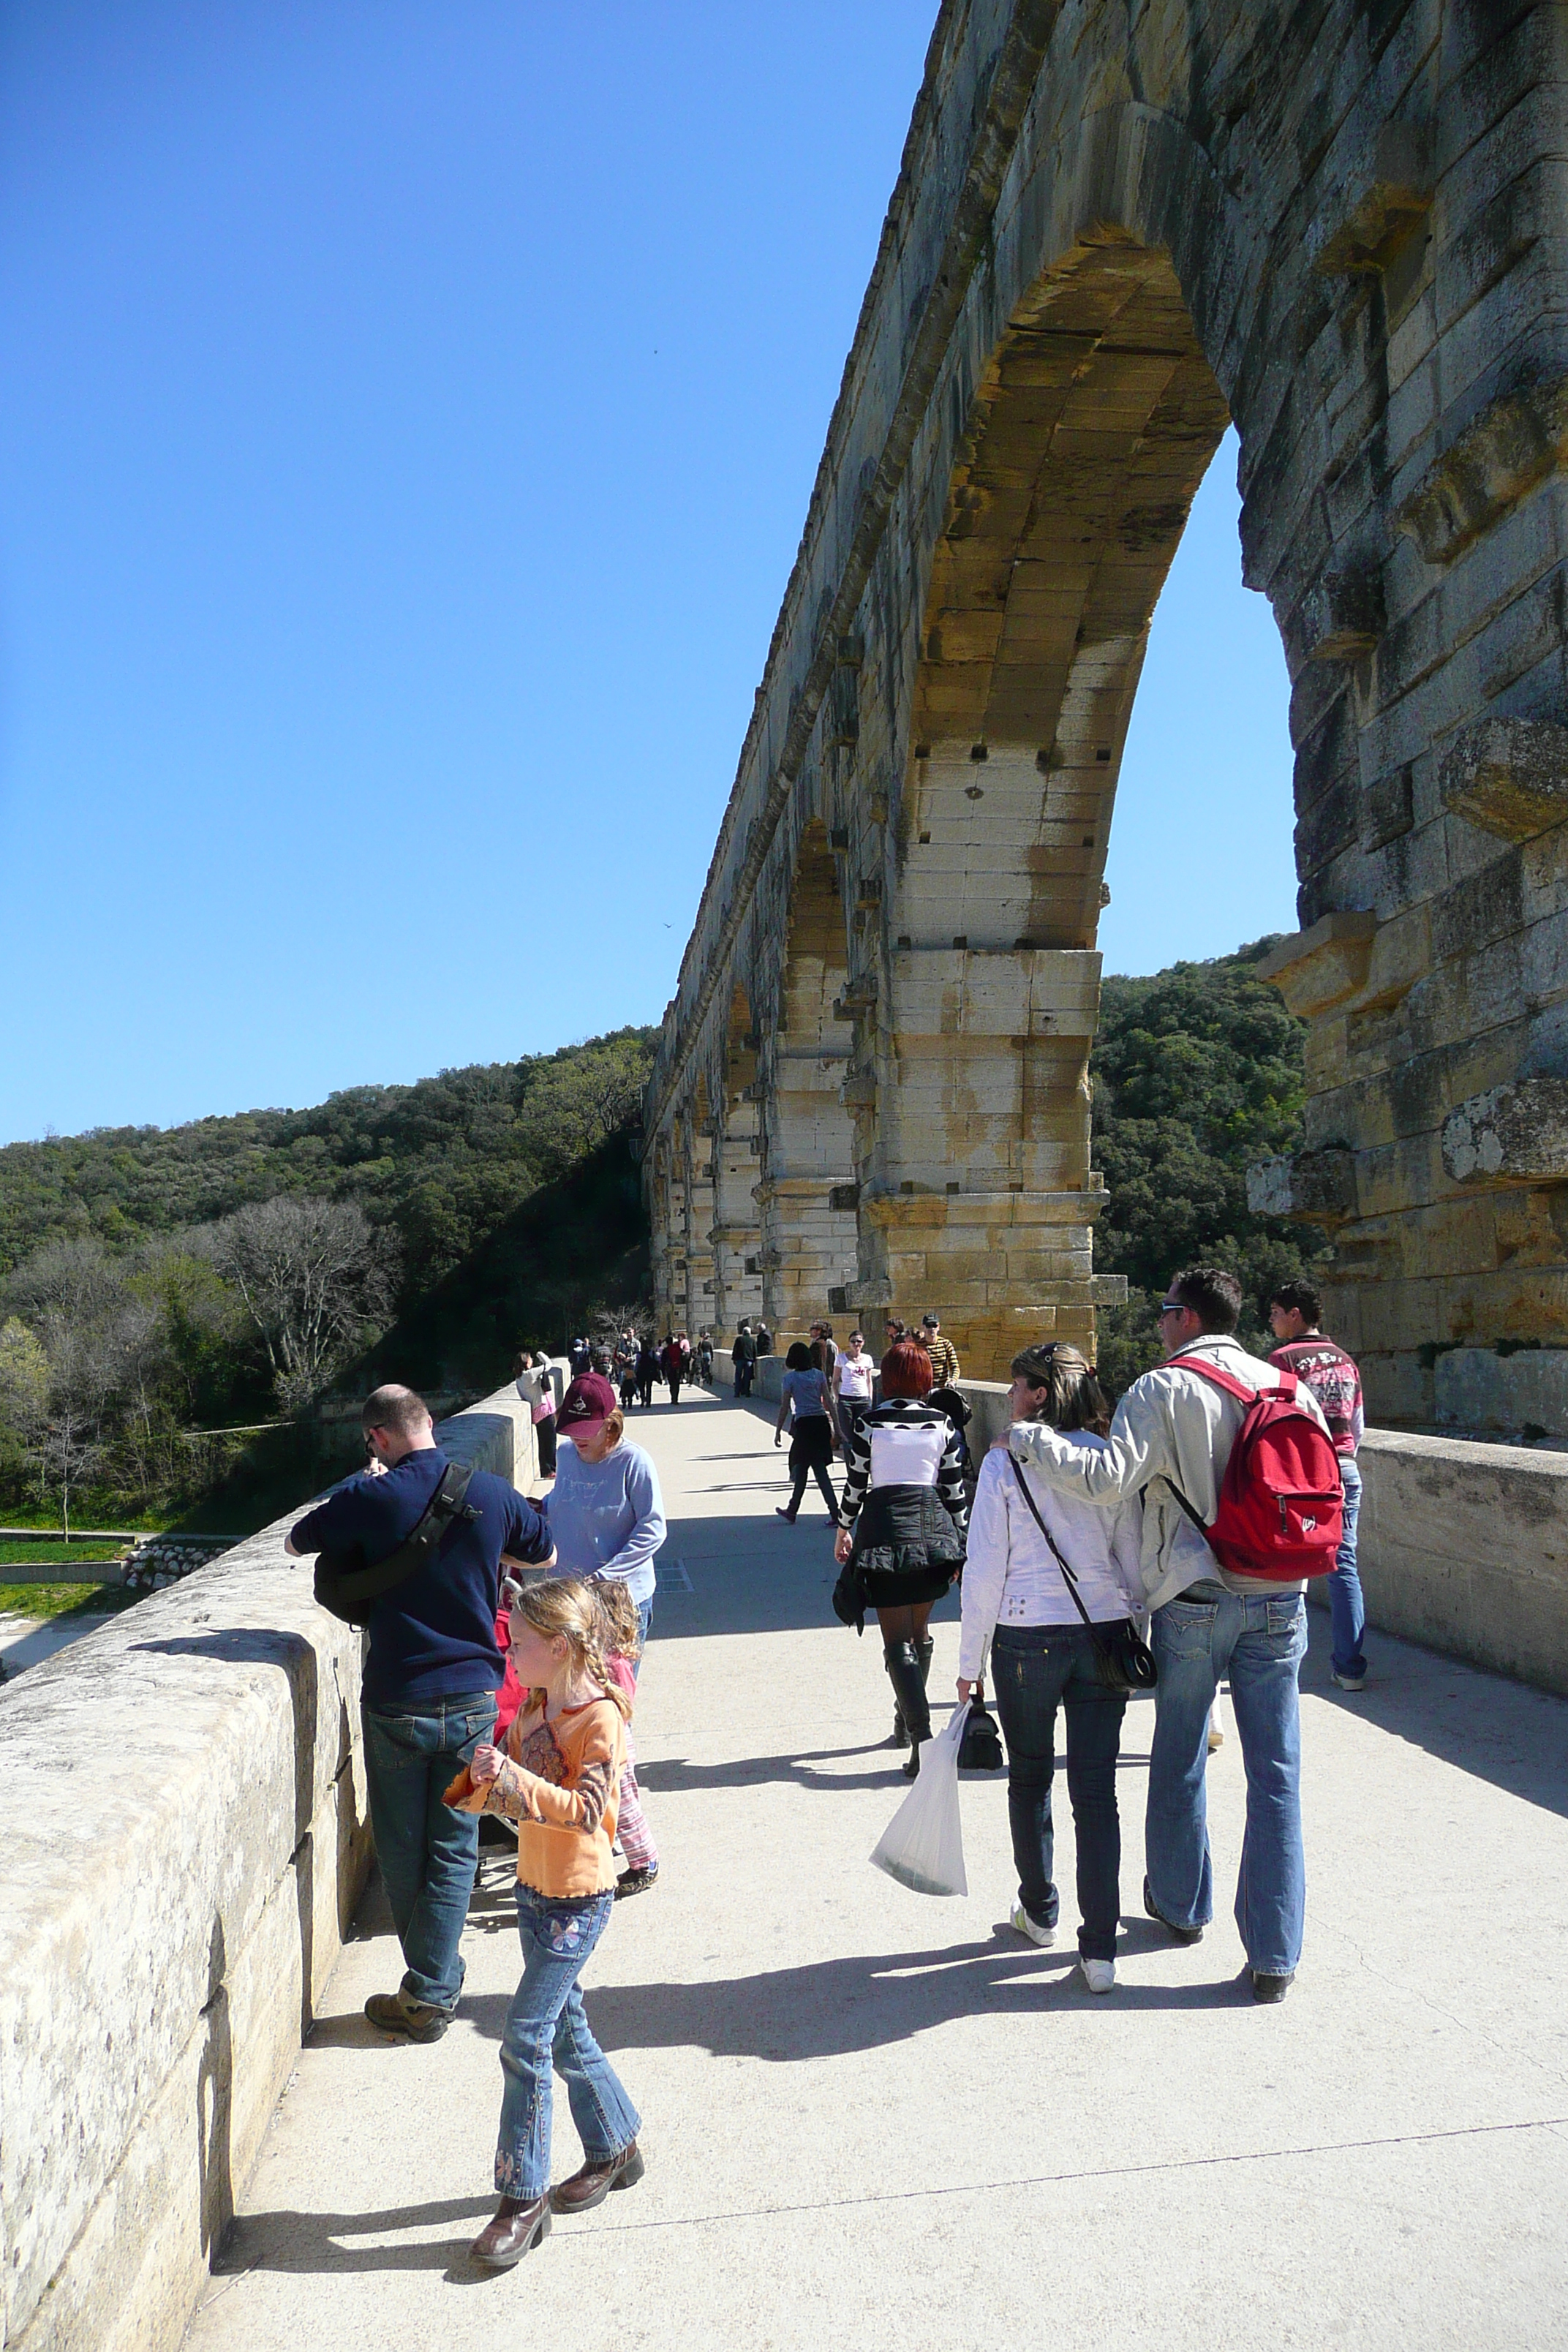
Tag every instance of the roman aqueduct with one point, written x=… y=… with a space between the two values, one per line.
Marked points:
x=1117 y=227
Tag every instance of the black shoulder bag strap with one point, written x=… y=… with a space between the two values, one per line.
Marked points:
x=362 y=1586
x=1126 y=1660
x=1066 y=1572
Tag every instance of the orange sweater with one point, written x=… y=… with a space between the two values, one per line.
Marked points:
x=560 y=1785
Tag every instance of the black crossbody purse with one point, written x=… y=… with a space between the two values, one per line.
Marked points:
x=1126 y=1660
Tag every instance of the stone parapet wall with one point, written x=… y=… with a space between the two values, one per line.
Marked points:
x=182 y=1843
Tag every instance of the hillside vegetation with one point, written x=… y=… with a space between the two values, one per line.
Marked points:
x=163 y=1292
x=166 y=1291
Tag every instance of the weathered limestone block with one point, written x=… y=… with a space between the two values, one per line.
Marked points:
x=1322 y=966
x=1477 y=1388
x=1513 y=445
x=1319 y=1187
x=1509 y=776
x=1387 y=208
x=1515 y=1134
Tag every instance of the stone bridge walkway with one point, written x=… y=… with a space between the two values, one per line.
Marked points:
x=878 y=2121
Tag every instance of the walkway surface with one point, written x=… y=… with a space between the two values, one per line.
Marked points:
x=876 y=2120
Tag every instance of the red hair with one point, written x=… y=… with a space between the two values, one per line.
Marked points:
x=906 y=1370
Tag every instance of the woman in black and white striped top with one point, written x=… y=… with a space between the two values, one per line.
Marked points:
x=902 y=1522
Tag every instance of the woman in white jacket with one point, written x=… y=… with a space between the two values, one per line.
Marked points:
x=1016 y=1600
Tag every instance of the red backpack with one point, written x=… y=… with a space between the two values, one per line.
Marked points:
x=1281 y=1501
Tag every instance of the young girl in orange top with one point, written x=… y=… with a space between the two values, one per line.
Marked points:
x=558 y=1778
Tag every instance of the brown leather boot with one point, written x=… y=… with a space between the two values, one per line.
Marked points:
x=515 y=2230
x=591 y=2185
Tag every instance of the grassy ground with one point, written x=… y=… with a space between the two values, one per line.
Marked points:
x=54 y=1555
x=42 y=1600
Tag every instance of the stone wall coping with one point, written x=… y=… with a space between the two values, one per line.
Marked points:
x=183 y=1840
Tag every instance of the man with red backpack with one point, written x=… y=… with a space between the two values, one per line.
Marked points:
x=1242 y=1502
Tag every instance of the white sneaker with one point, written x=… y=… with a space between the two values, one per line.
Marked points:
x=1046 y=1936
x=1100 y=1976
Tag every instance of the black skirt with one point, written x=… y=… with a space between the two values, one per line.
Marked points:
x=811 y=1443
x=906 y=1549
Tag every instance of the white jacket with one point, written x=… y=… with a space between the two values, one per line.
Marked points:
x=1172 y=1426
x=1011 y=1577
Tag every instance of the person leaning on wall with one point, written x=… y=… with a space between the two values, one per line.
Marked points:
x=429 y=1696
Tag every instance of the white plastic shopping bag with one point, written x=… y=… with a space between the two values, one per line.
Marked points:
x=922 y=1845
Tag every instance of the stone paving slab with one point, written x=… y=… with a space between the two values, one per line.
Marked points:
x=874 y=2119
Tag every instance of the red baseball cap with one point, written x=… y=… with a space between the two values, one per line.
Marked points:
x=586 y=1406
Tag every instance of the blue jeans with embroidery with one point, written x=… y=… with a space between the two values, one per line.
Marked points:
x=547 y=2030
x=1256 y=1643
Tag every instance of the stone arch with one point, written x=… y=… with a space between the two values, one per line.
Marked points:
x=1112 y=228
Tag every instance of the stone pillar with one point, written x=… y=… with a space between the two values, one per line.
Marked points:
x=736 y=1232
x=970 y=1091
x=807 y=1192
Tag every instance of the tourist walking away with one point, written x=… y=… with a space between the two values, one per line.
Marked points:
x=579 y=1356
x=537 y=1389
x=431 y=1674
x=900 y=1538
x=807 y=1408
x=557 y=1778
x=743 y=1359
x=647 y=1371
x=853 y=1373
x=1024 y=1546
x=673 y=1362
x=824 y=1353
x=705 y=1359
x=606 y=1513
x=1295 y=1316
x=942 y=1353
x=1171 y=1442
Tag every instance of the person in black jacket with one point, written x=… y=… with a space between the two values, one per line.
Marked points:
x=429 y=1696
x=901 y=1529
x=743 y=1359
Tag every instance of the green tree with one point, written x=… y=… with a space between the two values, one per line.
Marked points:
x=1196 y=1072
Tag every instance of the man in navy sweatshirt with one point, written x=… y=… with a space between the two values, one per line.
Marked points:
x=428 y=1696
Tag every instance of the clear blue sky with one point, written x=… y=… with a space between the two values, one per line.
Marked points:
x=409 y=411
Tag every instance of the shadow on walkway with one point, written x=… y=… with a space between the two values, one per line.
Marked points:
x=307 y=2244
x=831 y=2007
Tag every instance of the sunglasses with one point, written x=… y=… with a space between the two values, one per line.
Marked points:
x=1173 y=1306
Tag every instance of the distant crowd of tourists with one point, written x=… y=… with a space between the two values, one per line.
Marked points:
x=506 y=1638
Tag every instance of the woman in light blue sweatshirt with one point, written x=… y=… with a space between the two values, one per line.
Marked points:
x=606 y=1514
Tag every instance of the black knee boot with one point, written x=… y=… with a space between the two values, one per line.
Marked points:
x=903 y=1664
x=925 y=1645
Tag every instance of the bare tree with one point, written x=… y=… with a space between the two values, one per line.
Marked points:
x=314 y=1276
x=82 y=1366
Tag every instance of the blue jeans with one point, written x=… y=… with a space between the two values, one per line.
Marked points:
x=1347 y=1610
x=1258 y=1644
x=546 y=2027
x=427 y=1853
x=1036 y=1668
x=645 y=1618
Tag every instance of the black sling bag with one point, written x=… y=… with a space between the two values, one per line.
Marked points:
x=350 y=1590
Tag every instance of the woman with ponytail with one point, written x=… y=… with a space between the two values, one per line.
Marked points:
x=1016 y=1599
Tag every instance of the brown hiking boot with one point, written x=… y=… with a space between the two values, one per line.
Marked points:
x=592 y=2184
